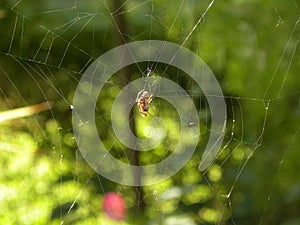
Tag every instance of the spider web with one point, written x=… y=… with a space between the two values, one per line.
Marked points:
x=50 y=44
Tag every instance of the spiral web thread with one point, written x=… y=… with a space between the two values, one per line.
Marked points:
x=44 y=65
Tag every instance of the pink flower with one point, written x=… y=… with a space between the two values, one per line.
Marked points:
x=114 y=206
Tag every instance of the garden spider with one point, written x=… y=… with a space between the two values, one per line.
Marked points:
x=143 y=101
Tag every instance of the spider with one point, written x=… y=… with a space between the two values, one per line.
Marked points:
x=143 y=101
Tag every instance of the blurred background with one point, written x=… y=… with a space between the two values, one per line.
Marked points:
x=252 y=47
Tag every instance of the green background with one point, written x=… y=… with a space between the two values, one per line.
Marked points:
x=252 y=47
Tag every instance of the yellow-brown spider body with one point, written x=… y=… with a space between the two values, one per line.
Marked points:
x=143 y=101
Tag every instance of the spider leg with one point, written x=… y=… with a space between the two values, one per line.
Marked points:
x=150 y=99
x=140 y=92
x=138 y=95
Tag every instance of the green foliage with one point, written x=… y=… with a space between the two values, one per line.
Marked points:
x=251 y=46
